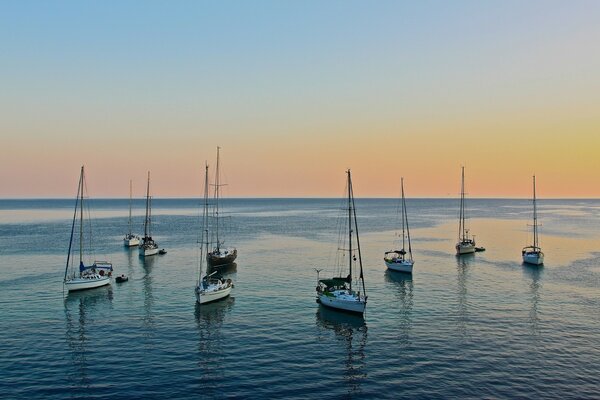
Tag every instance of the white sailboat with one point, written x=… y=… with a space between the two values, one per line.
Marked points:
x=466 y=244
x=95 y=274
x=533 y=254
x=219 y=255
x=397 y=260
x=130 y=239
x=209 y=288
x=148 y=247
x=338 y=292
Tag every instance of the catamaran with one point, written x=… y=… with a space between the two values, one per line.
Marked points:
x=209 y=288
x=338 y=292
x=130 y=239
x=88 y=276
x=148 y=247
x=397 y=260
x=533 y=254
x=466 y=244
x=219 y=255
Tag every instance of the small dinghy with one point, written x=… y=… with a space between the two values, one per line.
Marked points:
x=478 y=249
x=162 y=251
x=121 y=278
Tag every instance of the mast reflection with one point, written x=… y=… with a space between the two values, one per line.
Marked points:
x=78 y=308
x=534 y=273
x=462 y=268
x=211 y=342
x=351 y=331
x=403 y=285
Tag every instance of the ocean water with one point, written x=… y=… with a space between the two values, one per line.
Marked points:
x=480 y=326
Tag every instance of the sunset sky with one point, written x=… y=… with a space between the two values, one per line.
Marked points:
x=297 y=92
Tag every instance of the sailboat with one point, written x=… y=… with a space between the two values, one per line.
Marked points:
x=338 y=292
x=148 y=246
x=130 y=239
x=93 y=275
x=397 y=260
x=466 y=244
x=533 y=254
x=209 y=288
x=219 y=255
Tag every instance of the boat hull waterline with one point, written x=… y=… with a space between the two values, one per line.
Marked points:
x=223 y=258
x=208 y=297
x=351 y=304
x=465 y=248
x=533 y=258
x=400 y=266
x=131 y=242
x=86 y=283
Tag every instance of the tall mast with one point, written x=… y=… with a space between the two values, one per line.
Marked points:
x=81 y=218
x=350 y=226
x=204 y=223
x=402 y=187
x=73 y=226
x=147 y=207
x=535 y=230
x=361 y=276
x=130 y=196
x=461 y=224
x=405 y=221
x=217 y=186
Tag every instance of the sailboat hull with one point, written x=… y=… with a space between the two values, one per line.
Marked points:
x=400 y=266
x=75 y=284
x=225 y=257
x=131 y=242
x=533 y=258
x=148 y=252
x=209 y=297
x=353 y=306
x=465 y=248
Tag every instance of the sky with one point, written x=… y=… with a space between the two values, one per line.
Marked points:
x=296 y=92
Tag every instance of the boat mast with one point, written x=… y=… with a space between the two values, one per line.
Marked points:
x=130 y=196
x=461 y=223
x=205 y=224
x=217 y=186
x=535 y=225
x=81 y=219
x=146 y=221
x=361 y=276
x=405 y=221
x=350 y=226
x=403 y=229
x=73 y=227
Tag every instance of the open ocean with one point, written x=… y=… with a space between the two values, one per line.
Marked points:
x=480 y=326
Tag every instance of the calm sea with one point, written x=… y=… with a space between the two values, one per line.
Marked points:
x=471 y=327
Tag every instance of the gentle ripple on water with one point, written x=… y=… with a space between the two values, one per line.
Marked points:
x=479 y=326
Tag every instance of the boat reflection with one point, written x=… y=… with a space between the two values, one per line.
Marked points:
x=403 y=283
x=147 y=281
x=462 y=268
x=351 y=331
x=535 y=273
x=211 y=342
x=78 y=307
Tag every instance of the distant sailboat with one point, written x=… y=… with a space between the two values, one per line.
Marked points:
x=148 y=247
x=533 y=254
x=466 y=244
x=397 y=260
x=209 y=289
x=84 y=277
x=337 y=292
x=219 y=255
x=130 y=239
